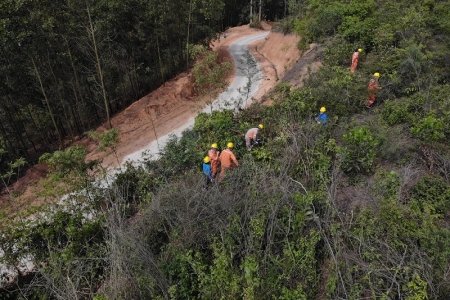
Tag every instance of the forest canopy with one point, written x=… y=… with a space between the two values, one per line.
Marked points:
x=68 y=66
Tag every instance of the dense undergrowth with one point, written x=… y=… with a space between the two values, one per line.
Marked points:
x=355 y=209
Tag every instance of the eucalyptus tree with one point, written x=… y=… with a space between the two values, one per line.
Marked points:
x=92 y=35
x=67 y=66
x=22 y=70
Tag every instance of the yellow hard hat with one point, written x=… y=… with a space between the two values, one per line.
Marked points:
x=261 y=126
x=360 y=50
x=323 y=109
x=214 y=146
x=206 y=159
x=376 y=74
x=230 y=145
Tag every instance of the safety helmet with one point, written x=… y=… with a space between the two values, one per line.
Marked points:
x=360 y=50
x=323 y=109
x=376 y=74
x=214 y=146
x=230 y=145
x=206 y=159
x=261 y=126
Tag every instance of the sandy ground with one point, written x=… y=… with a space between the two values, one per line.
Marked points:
x=174 y=103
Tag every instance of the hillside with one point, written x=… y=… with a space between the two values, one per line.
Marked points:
x=167 y=107
x=353 y=207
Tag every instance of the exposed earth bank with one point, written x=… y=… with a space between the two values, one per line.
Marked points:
x=174 y=103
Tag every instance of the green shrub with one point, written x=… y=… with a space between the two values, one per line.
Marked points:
x=68 y=167
x=283 y=88
x=387 y=184
x=286 y=25
x=215 y=128
x=434 y=191
x=317 y=28
x=396 y=112
x=180 y=154
x=359 y=152
x=334 y=16
x=337 y=89
x=439 y=23
x=396 y=145
x=297 y=106
x=354 y=29
x=135 y=184
x=63 y=246
x=255 y=22
x=340 y=53
x=437 y=102
x=429 y=129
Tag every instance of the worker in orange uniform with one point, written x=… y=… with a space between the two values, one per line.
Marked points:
x=355 y=59
x=250 y=136
x=227 y=160
x=372 y=89
x=213 y=154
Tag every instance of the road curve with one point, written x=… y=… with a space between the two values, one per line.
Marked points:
x=228 y=99
x=237 y=50
x=237 y=86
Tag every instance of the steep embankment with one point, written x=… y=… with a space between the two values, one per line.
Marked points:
x=174 y=103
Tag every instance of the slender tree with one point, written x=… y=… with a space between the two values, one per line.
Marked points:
x=47 y=101
x=251 y=11
x=91 y=34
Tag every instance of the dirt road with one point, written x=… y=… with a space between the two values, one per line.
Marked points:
x=174 y=103
x=228 y=99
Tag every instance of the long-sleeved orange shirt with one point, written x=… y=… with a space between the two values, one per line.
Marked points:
x=227 y=159
x=355 y=58
x=373 y=85
x=251 y=133
x=213 y=155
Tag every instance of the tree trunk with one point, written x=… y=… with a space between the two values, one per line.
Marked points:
x=187 y=37
x=47 y=101
x=38 y=129
x=159 y=59
x=251 y=11
x=78 y=94
x=29 y=138
x=5 y=135
x=99 y=67
x=68 y=118
x=19 y=147
x=259 y=11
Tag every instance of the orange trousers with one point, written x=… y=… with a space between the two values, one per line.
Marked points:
x=354 y=65
x=371 y=100
x=222 y=172
x=214 y=165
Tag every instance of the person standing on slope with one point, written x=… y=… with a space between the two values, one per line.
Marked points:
x=250 y=136
x=372 y=88
x=227 y=160
x=322 y=118
x=355 y=59
x=207 y=171
x=213 y=154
